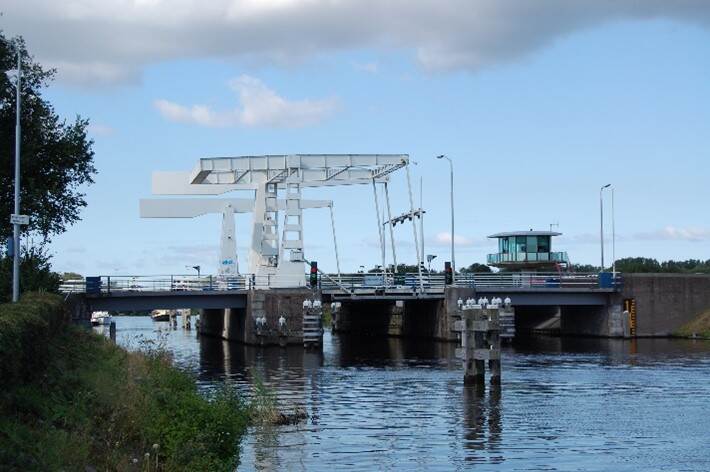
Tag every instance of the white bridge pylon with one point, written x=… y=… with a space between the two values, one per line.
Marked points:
x=278 y=260
x=194 y=207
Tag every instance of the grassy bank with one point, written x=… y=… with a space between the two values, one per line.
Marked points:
x=70 y=399
x=698 y=327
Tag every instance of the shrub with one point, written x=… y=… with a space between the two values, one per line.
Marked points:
x=73 y=400
x=25 y=331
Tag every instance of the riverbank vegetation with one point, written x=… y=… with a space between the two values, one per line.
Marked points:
x=647 y=265
x=697 y=327
x=72 y=400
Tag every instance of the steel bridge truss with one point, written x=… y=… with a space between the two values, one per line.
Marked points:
x=280 y=259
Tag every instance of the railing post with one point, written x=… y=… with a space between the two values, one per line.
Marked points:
x=171 y=283
x=108 y=286
x=210 y=283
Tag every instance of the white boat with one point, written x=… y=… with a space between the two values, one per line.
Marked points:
x=161 y=315
x=100 y=318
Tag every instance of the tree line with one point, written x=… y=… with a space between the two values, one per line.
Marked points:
x=627 y=265
x=641 y=265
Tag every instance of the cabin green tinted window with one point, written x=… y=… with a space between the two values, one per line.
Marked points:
x=520 y=244
x=531 y=244
x=543 y=244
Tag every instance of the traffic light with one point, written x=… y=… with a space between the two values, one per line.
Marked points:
x=448 y=274
x=314 y=274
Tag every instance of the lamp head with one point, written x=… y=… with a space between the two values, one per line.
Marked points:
x=440 y=156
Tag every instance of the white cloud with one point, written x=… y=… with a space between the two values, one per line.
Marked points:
x=112 y=40
x=671 y=233
x=99 y=129
x=369 y=67
x=258 y=106
x=444 y=239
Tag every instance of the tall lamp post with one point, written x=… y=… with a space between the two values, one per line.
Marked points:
x=16 y=226
x=613 y=236
x=601 y=222
x=453 y=256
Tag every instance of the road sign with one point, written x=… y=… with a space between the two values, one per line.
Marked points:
x=19 y=219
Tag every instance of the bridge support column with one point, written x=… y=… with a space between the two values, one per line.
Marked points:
x=430 y=318
x=605 y=320
x=271 y=317
x=266 y=308
x=212 y=322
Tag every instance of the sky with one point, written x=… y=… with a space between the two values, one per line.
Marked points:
x=537 y=103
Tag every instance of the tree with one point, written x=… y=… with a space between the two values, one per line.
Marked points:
x=35 y=273
x=648 y=265
x=56 y=155
x=476 y=267
x=584 y=268
x=638 y=264
x=72 y=276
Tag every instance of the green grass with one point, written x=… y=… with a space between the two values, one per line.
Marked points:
x=698 y=327
x=83 y=402
x=327 y=316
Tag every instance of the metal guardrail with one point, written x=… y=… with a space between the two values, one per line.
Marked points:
x=512 y=257
x=163 y=283
x=522 y=280
x=335 y=283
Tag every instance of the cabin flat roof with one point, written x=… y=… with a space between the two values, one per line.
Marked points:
x=524 y=233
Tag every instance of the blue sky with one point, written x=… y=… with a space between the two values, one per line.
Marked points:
x=533 y=135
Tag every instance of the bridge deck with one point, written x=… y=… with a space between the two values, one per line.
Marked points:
x=148 y=300
x=185 y=291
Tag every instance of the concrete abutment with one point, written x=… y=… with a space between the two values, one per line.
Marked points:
x=243 y=325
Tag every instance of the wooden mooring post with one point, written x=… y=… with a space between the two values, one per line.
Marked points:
x=480 y=340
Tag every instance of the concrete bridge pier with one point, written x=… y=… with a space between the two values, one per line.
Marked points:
x=271 y=317
x=538 y=319
x=423 y=317
x=608 y=320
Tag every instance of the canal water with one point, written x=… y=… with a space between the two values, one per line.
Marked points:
x=390 y=404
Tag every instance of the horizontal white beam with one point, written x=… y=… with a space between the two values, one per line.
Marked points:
x=193 y=207
x=306 y=169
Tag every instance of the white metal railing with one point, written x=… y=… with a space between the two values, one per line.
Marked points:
x=163 y=283
x=522 y=280
x=343 y=282
x=501 y=257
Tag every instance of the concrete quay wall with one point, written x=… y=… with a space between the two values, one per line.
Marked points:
x=664 y=302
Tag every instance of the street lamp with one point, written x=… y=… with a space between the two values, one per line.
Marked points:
x=613 y=236
x=16 y=225
x=453 y=257
x=601 y=222
x=196 y=267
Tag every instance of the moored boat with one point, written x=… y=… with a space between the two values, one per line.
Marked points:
x=99 y=318
x=160 y=315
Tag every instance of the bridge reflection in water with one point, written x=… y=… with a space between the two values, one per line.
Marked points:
x=384 y=403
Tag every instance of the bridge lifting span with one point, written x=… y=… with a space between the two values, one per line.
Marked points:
x=276 y=181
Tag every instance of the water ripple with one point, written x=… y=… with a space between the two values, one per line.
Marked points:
x=386 y=404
